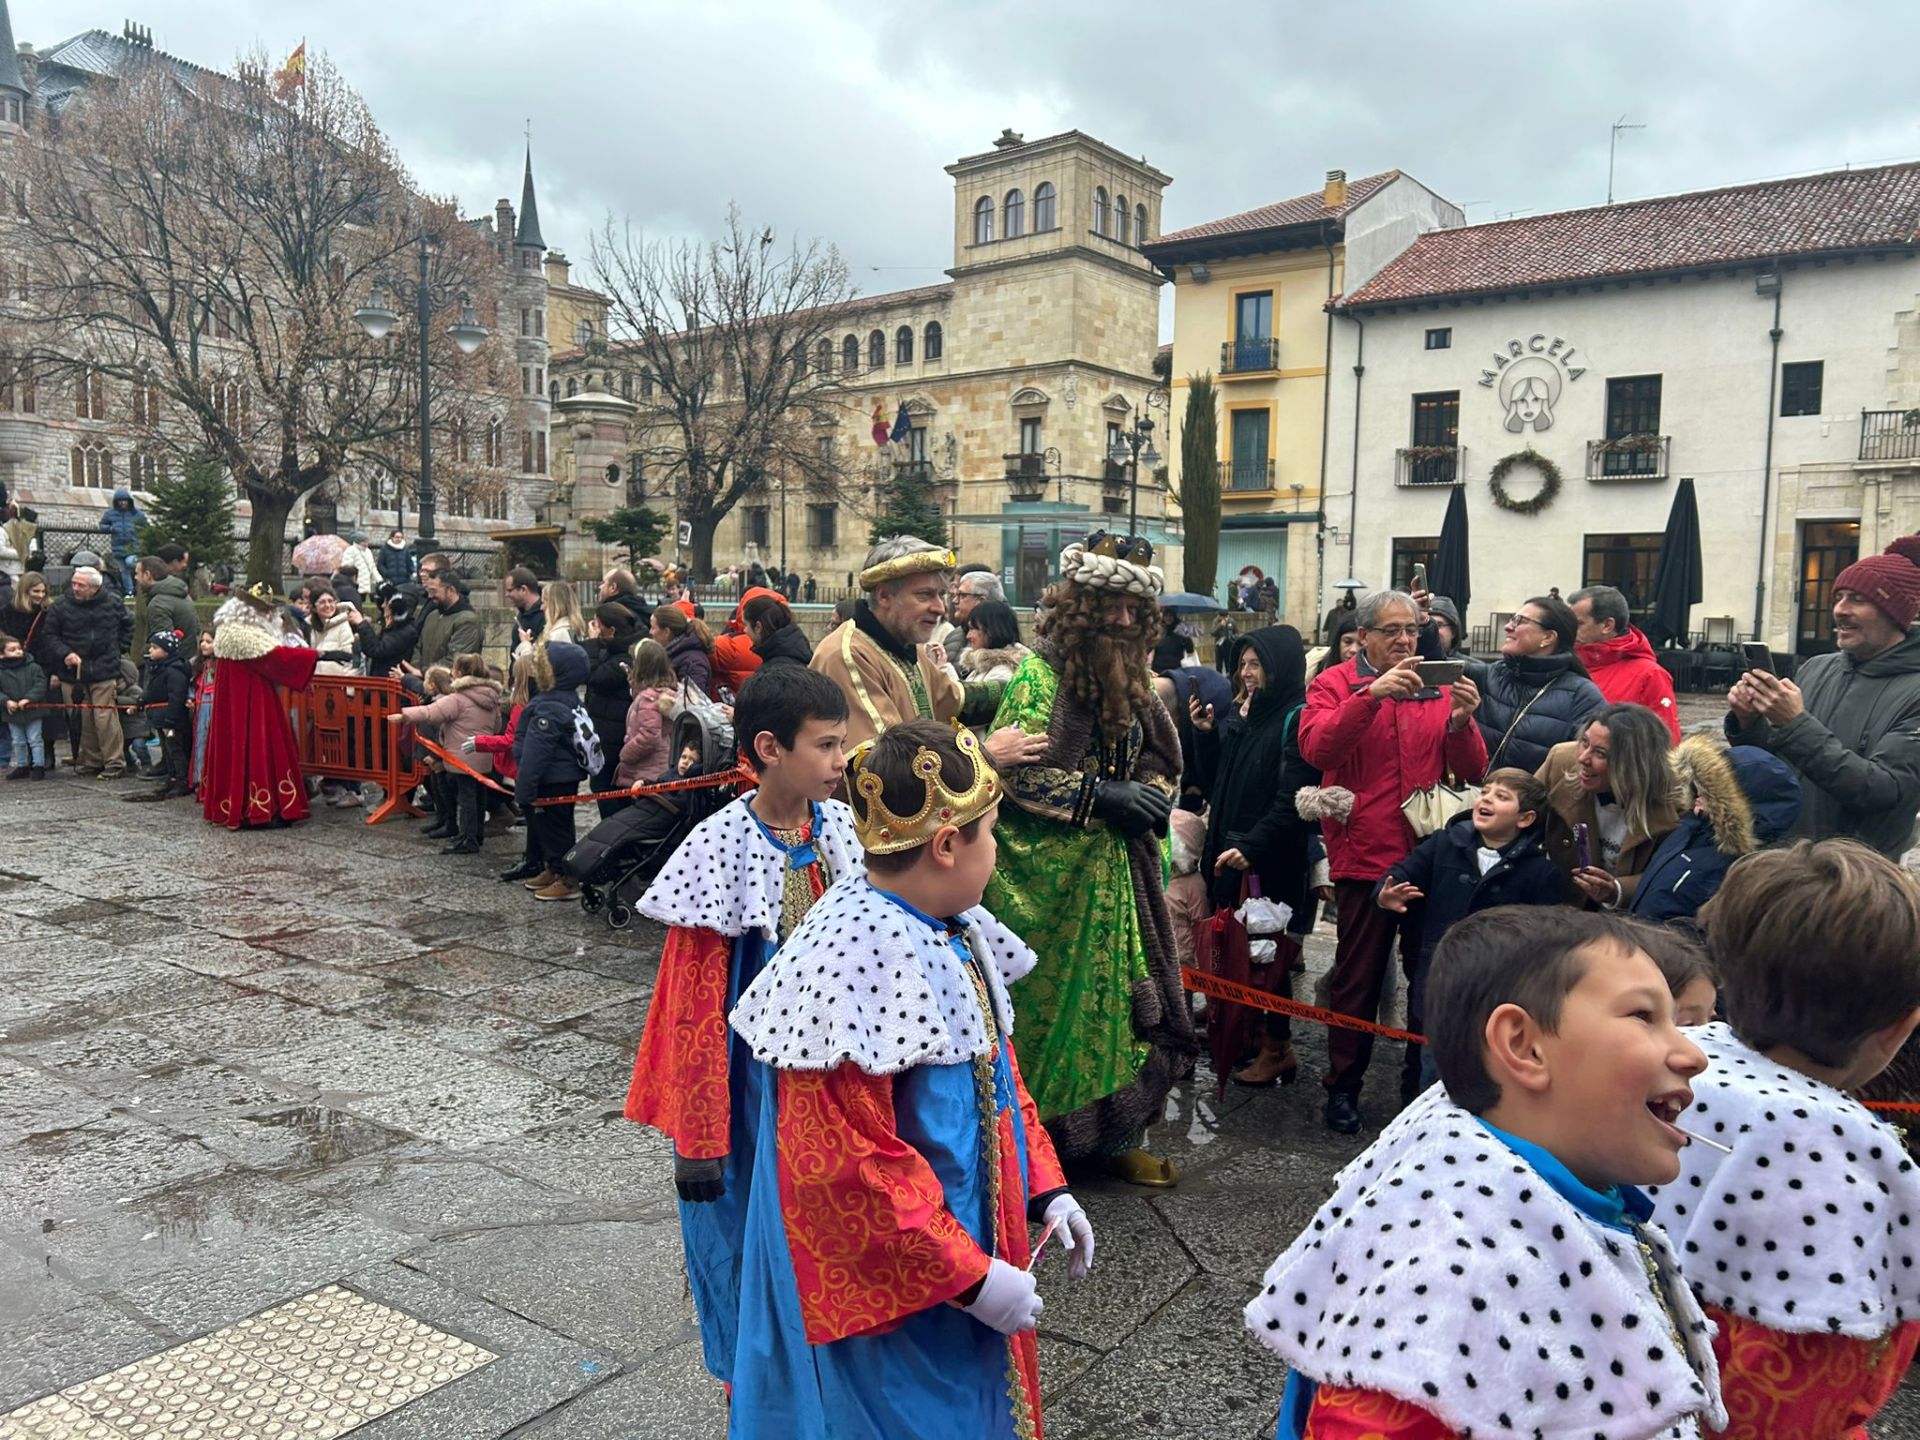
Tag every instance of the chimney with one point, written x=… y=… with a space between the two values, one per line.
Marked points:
x=558 y=269
x=503 y=218
x=1336 y=188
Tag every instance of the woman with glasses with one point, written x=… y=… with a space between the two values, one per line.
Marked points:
x=1534 y=696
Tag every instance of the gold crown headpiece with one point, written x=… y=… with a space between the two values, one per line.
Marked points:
x=915 y=562
x=881 y=832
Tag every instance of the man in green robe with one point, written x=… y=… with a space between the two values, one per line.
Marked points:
x=1104 y=1031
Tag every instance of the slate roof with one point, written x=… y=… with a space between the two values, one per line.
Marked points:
x=66 y=67
x=529 y=230
x=1837 y=212
x=10 y=76
x=1300 y=210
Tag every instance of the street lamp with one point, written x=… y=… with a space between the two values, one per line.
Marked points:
x=1134 y=447
x=377 y=318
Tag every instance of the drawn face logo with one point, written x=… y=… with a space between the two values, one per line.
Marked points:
x=1529 y=389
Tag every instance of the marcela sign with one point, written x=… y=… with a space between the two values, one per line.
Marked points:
x=1529 y=376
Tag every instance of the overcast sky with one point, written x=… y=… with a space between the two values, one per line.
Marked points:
x=834 y=119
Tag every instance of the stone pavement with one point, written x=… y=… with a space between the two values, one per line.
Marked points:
x=236 y=1068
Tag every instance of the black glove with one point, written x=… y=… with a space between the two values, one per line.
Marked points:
x=700 y=1182
x=1131 y=806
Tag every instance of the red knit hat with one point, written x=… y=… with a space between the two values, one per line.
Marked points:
x=1890 y=583
x=1907 y=547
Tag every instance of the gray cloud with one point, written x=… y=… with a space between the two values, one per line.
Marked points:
x=832 y=119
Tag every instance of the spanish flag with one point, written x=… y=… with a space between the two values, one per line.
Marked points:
x=293 y=74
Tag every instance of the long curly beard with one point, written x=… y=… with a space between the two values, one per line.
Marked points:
x=1102 y=666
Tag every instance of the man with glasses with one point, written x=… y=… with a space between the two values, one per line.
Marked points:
x=1372 y=728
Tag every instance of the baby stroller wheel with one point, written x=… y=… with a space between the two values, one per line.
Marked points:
x=591 y=900
x=619 y=915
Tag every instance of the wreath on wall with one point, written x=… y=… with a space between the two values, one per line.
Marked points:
x=1540 y=499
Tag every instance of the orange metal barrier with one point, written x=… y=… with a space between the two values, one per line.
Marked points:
x=340 y=728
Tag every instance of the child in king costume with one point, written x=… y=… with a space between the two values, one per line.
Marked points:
x=886 y=1287
x=733 y=891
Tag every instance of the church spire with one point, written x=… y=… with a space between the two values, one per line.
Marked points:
x=10 y=77
x=529 y=231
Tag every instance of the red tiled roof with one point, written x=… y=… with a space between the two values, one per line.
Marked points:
x=1300 y=210
x=1841 y=210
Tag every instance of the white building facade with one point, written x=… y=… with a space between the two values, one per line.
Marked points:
x=1763 y=341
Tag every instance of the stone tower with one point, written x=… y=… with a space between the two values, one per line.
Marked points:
x=525 y=307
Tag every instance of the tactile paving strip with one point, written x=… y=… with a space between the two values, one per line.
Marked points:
x=312 y=1368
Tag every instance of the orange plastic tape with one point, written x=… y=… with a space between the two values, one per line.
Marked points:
x=1213 y=985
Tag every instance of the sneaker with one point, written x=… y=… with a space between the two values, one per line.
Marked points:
x=19 y=772
x=86 y=772
x=111 y=775
x=37 y=772
x=461 y=847
x=525 y=870
x=559 y=890
x=541 y=881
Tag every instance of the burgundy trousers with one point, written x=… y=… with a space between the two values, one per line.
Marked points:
x=1359 y=975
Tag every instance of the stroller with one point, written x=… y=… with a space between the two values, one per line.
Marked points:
x=617 y=859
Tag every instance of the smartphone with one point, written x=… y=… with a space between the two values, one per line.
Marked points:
x=1438 y=674
x=1582 y=846
x=1756 y=656
x=1419 y=578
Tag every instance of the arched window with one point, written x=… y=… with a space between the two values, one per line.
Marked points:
x=1139 y=224
x=822 y=357
x=572 y=389
x=1100 y=219
x=877 y=350
x=1043 y=207
x=1123 y=219
x=583 y=332
x=626 y=385
x=1016 y=217
x=903 y=345
x=983 y=220
x=553 y=393
x=932 y=341
x=850 y=354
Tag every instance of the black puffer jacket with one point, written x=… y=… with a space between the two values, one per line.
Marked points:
x=384 y=649
x=786 y=646
x=31 y=628
x=98 y=630
x=1250 y=769
x=608 y=691
x=1565 y=699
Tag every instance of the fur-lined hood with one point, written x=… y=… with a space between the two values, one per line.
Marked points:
x=977 y=663
x=1749 y=796
x=469 y=682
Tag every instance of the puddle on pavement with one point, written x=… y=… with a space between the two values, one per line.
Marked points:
x=326 y=1136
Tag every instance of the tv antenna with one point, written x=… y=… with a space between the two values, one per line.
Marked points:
x=1613 y=142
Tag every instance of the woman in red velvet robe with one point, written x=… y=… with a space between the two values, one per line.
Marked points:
x=252 y=771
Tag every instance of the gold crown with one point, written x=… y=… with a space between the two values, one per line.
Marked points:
x=881 y=832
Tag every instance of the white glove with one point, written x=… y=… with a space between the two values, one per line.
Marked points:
x=1008 y=1300
x=1075 y=1233
x=466 y=746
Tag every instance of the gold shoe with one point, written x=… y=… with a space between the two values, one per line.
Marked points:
x=1137 y=1167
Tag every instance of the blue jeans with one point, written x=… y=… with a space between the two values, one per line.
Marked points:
x=24 y=741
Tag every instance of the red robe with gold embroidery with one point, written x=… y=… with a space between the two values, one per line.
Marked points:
x=252 y=771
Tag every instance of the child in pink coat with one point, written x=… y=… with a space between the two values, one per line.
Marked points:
x=469 y=709
x=644 y=755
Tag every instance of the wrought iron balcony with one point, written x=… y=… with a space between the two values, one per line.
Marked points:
x=1250 y=475
x=1628 y=457
x=914 y=472
x=1422 y=465
x=1027 y=475
x=1890 y=434
x=1249 y=355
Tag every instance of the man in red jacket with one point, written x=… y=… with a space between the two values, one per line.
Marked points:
x=1618 y=656
x=1371 y=727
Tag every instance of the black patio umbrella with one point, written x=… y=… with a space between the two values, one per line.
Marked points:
x=1677 y=573
x=1451 y=575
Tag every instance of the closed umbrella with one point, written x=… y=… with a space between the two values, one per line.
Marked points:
x=1677 y=573
x=1452 y=574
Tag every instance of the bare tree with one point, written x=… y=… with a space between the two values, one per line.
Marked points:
x=202 y=249
x=738 y=337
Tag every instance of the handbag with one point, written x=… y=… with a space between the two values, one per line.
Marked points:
x=1429 y=810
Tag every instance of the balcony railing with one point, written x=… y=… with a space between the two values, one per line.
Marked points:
x=1890 y=434
x=1420 y=465
x=1628 y=457
x=1250 y=475
x=1112 y=472
x=914 y=472
x=1027 y=475
x=1248 y=356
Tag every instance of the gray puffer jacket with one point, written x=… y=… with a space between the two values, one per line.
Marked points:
x=1856 y=747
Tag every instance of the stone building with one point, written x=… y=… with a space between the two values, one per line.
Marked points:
x=1763 y=340
x=65 y=445
x=1250 y=309
x=1016 y=375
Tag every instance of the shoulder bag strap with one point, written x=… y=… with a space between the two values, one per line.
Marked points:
x=1493 y=759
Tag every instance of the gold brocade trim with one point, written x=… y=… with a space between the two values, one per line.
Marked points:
x=989 y=1100
x=918 y=562
x=796 y=891
x=847 y=632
